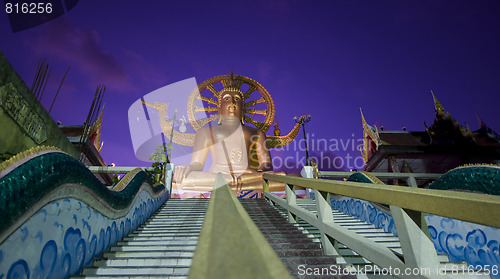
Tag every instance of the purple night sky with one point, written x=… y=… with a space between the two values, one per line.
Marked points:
x=324 y=58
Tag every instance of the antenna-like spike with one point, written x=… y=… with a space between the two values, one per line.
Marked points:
x=57 y=93
x=37 y=73
x=38 y=79
x=45 y=84
x=42 y=81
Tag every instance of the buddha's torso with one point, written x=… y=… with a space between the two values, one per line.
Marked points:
x=231 y=148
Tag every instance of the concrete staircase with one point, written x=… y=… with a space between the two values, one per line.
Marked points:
x=296 y=248
x=163 y=247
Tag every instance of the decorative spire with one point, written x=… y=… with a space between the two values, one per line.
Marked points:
x=372 y=132
x=485 y=129
x=371 y=139
x=363 y=118
x=480 y=122
x=277 y=131
x=445 y=129
x=231 y=85
x=437 y=106
x=231 y=79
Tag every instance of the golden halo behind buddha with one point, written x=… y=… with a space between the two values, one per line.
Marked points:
x=258 y=105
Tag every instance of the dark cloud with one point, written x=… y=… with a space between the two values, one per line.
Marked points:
x=82 y=49
x=144 y=71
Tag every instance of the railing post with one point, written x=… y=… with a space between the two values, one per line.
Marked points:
x=265 y=185
x=291 y=199
x=168 y=173
x=411 y=181
x=265 y=188
x=325 y=215
x=418 y=249
x=416 y=216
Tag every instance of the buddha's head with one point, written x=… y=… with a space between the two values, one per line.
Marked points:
x=231 y=103
x=231 y=100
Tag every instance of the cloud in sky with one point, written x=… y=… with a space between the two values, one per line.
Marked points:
x=143 y=70
x=264 y=69
x=83 y=50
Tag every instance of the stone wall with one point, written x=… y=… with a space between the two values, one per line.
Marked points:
x=24 y=122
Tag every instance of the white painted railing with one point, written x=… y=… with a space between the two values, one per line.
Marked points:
x=411 y=178
x=418 y=250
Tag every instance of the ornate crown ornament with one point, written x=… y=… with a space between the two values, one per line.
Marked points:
x=230 y=85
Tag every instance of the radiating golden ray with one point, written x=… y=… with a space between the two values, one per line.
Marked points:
x=208 y=100
x=249 y=91
x=253 y=103
x=206 y=109
x=239 y=82
x=213 y=90
x=256 y=111
x=209 y=119
x=257 y=124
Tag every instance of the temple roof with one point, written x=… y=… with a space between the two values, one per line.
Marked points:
x=442 y=146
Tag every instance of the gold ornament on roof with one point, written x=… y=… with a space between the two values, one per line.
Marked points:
x=437 y=105
x=442 y=115
x=369 y=133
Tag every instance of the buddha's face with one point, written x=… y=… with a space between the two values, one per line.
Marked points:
x=231 y=104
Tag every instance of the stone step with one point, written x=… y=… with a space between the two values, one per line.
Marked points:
x=162 y=247
x=295 y=248
x=151 y=262
x=171 y=226
x=148 y=254
x=164 y=233
x=167 y=229
x=157 y=243
x=160 y=238
x=137 y=270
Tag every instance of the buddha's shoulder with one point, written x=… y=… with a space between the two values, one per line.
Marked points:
x=203 y=131
x=253 y=130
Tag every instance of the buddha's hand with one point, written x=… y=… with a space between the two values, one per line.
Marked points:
x=180 y=172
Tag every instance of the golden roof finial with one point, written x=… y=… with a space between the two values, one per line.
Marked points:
x=371 y=133
x=437 y=106
x=363 y=118
x=480 y=121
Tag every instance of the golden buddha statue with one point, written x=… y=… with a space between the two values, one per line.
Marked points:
x=239 y=152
